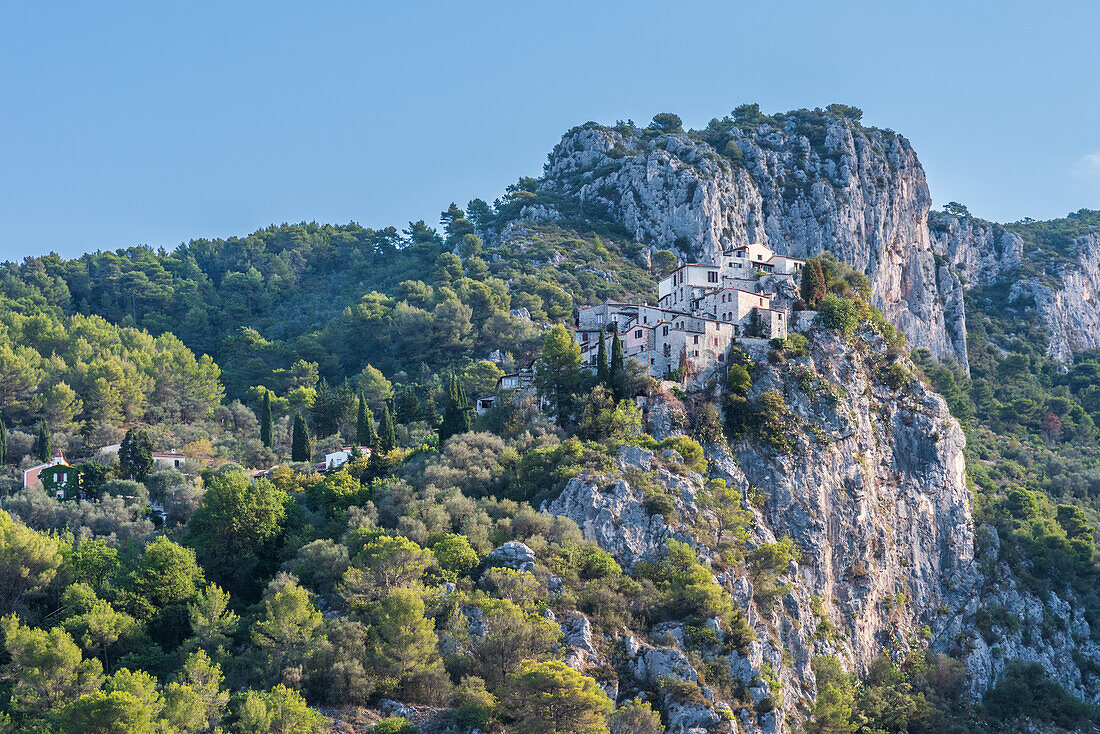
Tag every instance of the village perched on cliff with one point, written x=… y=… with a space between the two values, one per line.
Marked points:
x=701 y=311
x=702 y=432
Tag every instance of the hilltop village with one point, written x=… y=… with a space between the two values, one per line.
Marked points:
x=701 y=310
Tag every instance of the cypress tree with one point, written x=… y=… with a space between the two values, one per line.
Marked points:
x=45 y=449
x=265 y=421
x=364 y=425
x=812 y=287
x=387 y=436
x=406 y=405
x=376 y=464
x=456 y=412
x=135 y=455
x=431 y=413
x=616 y=366
x=299 y=444
x=603 y=373
x=3 y=444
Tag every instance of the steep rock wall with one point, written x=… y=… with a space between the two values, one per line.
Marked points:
x=1065 y=299
x=982 y=251
x=857 y=192
x=1069 y=309
x=872 y=489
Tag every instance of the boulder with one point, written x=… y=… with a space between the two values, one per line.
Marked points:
x=514 y=555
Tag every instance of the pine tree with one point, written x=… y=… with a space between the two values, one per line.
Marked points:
x=265 y=421
x=603 y=372
x=45 y=449
x=402 y=639
x=557 y=371
x=387 y=436
x=812 y=287
x=3 y=444
x=299 y=445
x=364 y=425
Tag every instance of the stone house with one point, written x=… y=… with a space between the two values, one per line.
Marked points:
x=701 y=311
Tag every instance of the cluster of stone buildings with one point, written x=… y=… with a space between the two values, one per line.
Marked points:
x=701 y=311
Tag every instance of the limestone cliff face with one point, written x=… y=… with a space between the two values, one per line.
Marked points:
x=872 y=489
x=1065 y=299
x=834 y=185
x=982 y=251
x=876 y=488
x=1068 y=305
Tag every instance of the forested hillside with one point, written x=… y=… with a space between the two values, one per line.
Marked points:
x=343 y=296
x=793 y=546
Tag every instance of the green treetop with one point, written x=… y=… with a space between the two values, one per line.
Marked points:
x=387 y=434
x=557 y=371
x=265 y=421
x=299 y=445
x=364 y=425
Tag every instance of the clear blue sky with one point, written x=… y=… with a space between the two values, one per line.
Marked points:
x=156 y=122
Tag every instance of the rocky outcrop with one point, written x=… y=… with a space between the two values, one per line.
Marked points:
x=612 y=511
x=983 y=252
x=1067 y=305
x=1064 y=300
x=803 y=184
x=872 y=488
x=576 y=631
x=1020 y=624
x=513 y=555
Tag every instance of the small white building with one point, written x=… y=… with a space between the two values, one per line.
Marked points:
x=338 y=458
x=742 y=261
x=161 y=459
x=168 y=460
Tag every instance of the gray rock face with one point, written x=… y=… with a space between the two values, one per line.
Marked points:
x=612 y=513
x=395 y=708
x=982 y=251
x=880 y=498
x=516 y=556
x=1066 y=303
x=1069 y=314
x=859 y=193
x=1050 y=630
x=577 y=636
x=873 y=489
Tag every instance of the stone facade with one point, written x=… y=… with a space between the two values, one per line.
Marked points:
x=701 y=312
